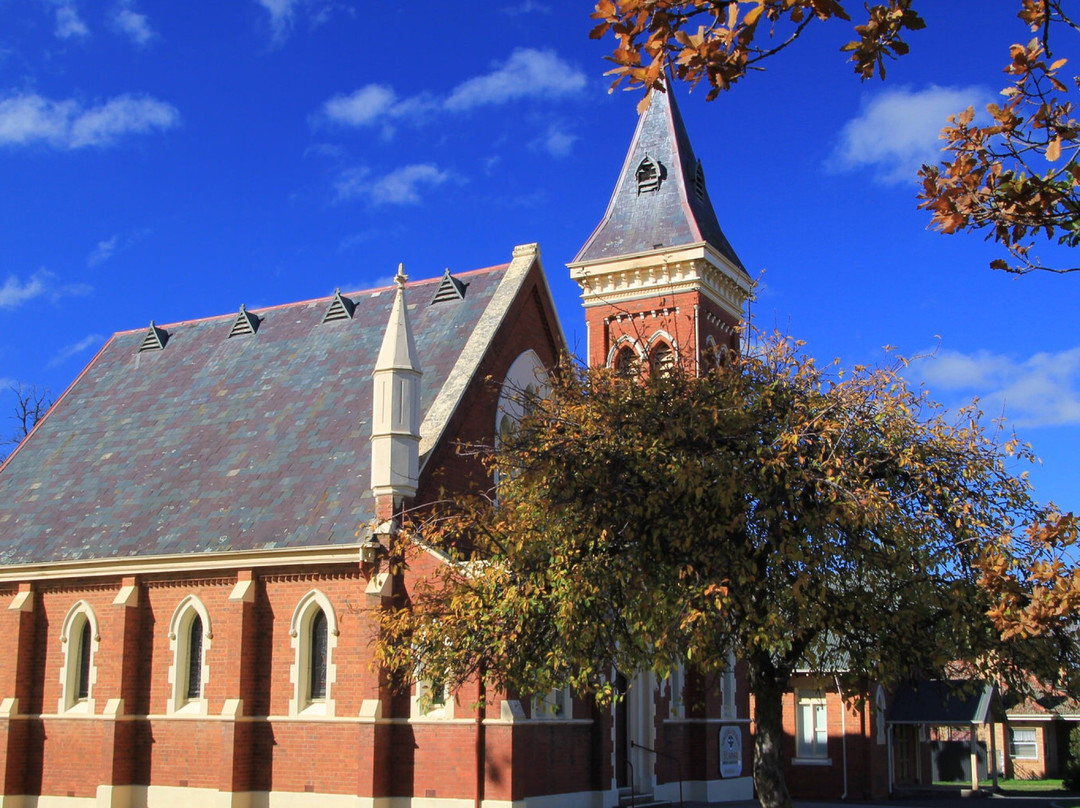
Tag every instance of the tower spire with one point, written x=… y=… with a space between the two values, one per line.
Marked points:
x=658 y=275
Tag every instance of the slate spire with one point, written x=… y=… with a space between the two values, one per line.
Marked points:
x=395 y=423
x=660 y=200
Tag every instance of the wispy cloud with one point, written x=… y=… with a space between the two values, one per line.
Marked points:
x=281 y=15
x=557 y=141
x=528 y=73
x=14 y=292
x=69 y=351
x=31 y=118
x=399 y=187
x=526 y=7
x=136 y=26
x=1039 y=390
x=897 y=131
x=68 y=23
x=102 y=252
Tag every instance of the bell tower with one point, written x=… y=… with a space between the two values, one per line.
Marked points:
x=659 y=281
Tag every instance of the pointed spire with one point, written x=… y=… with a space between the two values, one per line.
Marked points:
x=660 y=200
x=395 y=422
x=398 y=349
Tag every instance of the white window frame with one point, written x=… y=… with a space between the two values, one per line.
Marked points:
x=815 y=704
x=301 y=704
x=555 y=705
x=422 y=707
x=180 y=646
x=1015 y=744
x=70 y=634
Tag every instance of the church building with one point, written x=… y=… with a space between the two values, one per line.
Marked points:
x=190 y=539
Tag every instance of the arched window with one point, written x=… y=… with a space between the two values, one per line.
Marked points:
x=189 y=640
x=314 y=634
x=195 y=659
x=648 y=175
x=626 y=362
x=317 y=663
x=662 y=360
x=80 y=639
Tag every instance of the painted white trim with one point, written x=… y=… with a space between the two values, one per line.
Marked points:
x=69 y=704
x=301 y=705
x=180 y=646
x=181 y=562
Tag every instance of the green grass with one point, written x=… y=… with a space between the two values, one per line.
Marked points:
x=1014 y=786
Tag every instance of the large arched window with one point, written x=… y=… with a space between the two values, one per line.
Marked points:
x=79 y=637
x=314 y=636
x=189 y=640
x=661 y=359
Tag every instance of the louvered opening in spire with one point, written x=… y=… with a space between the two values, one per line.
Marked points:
x=450 y=288
x=699 y=182
x=648 y=175
x=341 y=308
x=245 y=323
x=155 y=339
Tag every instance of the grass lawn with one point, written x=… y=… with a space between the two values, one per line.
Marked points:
x=1009 y=786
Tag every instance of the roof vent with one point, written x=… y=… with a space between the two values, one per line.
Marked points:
x=648 y=175
x=155 y=339
x=699 y=182
x=341 y=308
x=450 y=288
x=245 y=323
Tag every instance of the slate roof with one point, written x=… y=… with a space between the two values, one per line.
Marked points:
x=945 y=702
x=213 y=443
x=670 y=216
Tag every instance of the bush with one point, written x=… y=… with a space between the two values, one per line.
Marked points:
x=1071 y=781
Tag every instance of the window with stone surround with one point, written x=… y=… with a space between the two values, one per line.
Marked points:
x=79 y=638
x=811 y=726
x=190 y=639
x=314 y=634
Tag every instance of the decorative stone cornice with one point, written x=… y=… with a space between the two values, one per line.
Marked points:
x=696 y=267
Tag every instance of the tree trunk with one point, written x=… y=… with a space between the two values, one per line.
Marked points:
x=768 y=686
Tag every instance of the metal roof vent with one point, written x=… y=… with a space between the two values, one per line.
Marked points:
x=699 y=182
x=155 y=339
x=245 y=323
x=450 y=288
x=648 y=175
x=341 y=308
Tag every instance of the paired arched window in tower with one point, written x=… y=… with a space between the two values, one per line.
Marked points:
x=661 y=359
x=626 y=362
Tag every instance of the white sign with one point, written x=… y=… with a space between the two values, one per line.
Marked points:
x=730 y=752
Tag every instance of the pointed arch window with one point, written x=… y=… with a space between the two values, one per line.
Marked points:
x=648 y=175
x=662 y=359
x=79 y=636
x=190 y=639
x=314 y=634
x=626 y=361
x=317 y=663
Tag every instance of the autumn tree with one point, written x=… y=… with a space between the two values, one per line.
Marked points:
x=1015 y=178
x=31 y=403
x=797 y=516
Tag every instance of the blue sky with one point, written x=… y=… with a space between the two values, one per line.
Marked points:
x=169 y=161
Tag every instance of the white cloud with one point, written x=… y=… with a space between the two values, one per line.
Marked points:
x=898 y=130
x=102 y=252
x=556 y=141
x=14 y=293
x=68 y=351
x=68 y=22
x=526 y=7
x=529 y=73
x=399 y=187
x=1040 y=390
x=127 y=21
x=29 y=118
x=281 y=14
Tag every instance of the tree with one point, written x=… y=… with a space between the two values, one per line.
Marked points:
x=1014 y=179
x=31 y=403
x=796 y=516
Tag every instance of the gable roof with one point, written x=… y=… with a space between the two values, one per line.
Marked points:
x=217 y=444
x=945 y=702
x=670 y=209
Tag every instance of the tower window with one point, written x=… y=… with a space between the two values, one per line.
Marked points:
x=699 y=182
x=662 y=360
x=648 y=175
x=626 y=362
